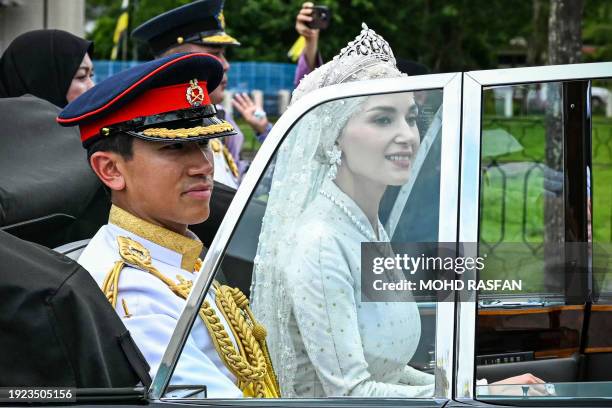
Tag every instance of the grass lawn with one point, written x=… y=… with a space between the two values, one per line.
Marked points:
x=251 y=145
x=514 y=195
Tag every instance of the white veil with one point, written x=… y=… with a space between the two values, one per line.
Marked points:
x=301 y=166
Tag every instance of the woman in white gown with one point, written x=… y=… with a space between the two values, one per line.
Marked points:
x=328 y=181
x=329 y=177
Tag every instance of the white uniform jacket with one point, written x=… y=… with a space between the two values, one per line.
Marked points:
x=150 y=310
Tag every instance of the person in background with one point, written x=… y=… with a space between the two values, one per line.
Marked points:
x=310 y=57
x=200 y=27
x=40 y=72
x=53 y=65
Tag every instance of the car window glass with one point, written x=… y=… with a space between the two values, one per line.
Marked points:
x=535 y=229
x=522 y=182
x=599 y=344
x=295 y=255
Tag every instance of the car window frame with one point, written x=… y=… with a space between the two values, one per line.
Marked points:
x=451 y=85
x=474 y=83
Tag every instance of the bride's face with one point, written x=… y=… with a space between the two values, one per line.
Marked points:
x=380 y=141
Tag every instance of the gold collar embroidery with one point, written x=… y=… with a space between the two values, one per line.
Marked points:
x=190 y=249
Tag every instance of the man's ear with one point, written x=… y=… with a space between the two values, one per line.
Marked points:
x=108 y=167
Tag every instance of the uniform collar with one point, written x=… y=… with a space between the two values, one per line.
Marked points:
x=188 y=248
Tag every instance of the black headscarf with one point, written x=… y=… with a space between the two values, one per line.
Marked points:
x=42 y=63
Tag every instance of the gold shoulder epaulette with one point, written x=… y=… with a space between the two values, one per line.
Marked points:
x=132 y=253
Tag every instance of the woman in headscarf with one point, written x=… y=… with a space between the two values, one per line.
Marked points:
x=50 y=64
x=40 y=72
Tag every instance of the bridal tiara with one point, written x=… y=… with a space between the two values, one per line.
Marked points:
x=368 y=44
x=368 y=56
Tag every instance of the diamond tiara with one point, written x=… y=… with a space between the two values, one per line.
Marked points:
x=369 y=44
x=368 y=56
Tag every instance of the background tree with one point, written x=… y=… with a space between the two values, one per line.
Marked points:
x=538 y=41
x=564 y=47
x=565 y=31
x=446 y=35
x=597 y=30
x=105 y=13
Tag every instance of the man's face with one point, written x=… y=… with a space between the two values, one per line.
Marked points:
x=168 y=184
x=217 y=95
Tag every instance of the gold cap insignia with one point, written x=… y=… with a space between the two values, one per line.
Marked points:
x=195 y=93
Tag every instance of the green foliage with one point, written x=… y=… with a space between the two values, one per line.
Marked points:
x=446 y=35
x=512 y=198
x=106 y=12
x=598 y=30
x=105 y=28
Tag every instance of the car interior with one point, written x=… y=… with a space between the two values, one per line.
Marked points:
x=557 y=329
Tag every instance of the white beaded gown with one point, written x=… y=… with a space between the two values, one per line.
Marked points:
x=343 y=346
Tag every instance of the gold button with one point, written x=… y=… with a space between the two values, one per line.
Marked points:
x=105 y=131
x=180 y=40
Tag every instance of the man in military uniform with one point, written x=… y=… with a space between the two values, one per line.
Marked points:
x=147 y=132
x=200 y=27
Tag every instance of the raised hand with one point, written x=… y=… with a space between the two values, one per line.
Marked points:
x=251 y=112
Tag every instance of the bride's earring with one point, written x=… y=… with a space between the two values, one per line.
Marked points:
x=334 y=159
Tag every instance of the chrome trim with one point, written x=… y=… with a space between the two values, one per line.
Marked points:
x=447 y=228
x=329 y=402
x=542 y=74
x=468 y=229
x=247 y=187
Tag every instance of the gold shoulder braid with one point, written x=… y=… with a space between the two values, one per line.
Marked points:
x=251 y=364
x=230 y=161
x=218 y=146
x=250 y=336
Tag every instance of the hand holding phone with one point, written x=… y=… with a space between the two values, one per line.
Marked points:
x=321 y=17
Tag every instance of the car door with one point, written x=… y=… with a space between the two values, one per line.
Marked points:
x=237 y=250
x=535 y=196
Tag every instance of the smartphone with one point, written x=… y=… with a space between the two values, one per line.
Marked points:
x=321 y=17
